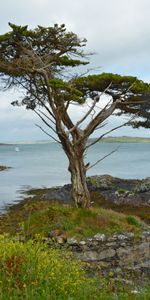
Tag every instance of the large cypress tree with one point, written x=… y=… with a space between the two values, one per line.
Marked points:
x=37 y=61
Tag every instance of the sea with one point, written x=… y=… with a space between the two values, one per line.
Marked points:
x=44 y=165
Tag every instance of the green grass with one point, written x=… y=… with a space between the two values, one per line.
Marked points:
x=141 y=212
x=132 y=220
x=43 y=217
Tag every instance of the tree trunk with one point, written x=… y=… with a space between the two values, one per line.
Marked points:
x=80 y=193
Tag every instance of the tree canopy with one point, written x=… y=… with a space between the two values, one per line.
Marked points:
x=27 y=55
x=133 y=94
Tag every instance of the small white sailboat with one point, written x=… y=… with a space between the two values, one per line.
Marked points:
x=17 y=149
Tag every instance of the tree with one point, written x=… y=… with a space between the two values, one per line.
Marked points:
x=37 y=62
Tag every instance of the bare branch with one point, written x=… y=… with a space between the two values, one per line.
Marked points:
x=90 y=110
x=104 y=113
x=100 y=118
x=48 y=134
x=35 y=95
x=44 y=121
x=67 y=105
x=98 y=161
x=109 y=131
x=46 y=116
x=102 y=125
x=84 y=117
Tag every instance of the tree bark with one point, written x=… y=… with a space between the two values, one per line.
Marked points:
x=80 y=192
x=75 y=152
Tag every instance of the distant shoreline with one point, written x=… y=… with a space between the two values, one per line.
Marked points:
x=109 y=139
x=125 y=139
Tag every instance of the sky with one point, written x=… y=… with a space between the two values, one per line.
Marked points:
x=117 y=32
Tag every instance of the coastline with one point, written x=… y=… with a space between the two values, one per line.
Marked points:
x=108 y=139
x=105 y=237
x=121 y=195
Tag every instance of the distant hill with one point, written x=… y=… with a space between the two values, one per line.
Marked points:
x=109 y=139
x=125 y=139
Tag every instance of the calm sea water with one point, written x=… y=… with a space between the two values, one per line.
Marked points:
x=45 y=165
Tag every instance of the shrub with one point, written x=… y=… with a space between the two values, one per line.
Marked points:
x=132 y=220
x=33 y=271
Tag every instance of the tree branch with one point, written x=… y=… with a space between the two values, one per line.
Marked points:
x=101 y=117
x=109 y=131
x=90 y=110
x=47 y=133
x=105 y=112
x=46 y=116
x=44 y=121
x=98 y=161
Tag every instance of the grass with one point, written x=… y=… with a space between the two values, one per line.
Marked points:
x=42 y=217
x=141 y=212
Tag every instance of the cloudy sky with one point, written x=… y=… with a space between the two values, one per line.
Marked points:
x=118 y=32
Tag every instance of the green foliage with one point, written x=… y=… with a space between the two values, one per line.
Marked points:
x=65 y=61
x=122 y=191
x=66 y=91
x=134 y=94
x=32 y=271
x=132 y=220
x=79 y=222
x=23 y=47
x=101 y=81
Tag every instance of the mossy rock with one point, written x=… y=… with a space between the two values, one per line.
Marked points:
x=104 y=182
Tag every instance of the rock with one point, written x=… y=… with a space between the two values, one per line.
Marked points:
x=112 y=238
x=100 y=237
x=58 y=235
x=122 y=251
x=143 y=188
x=54 y=233
x=90 y=239
x=121 y=237
x=72 y=241
x=107 y=253
x=61 y=239
x=135 y=292
x=129 y=235
x=103 y=182
x=136 y=192
x=82 y=243
x=90 y=256
x=59 y=193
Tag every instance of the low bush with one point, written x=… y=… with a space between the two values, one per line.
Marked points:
x=31 y=270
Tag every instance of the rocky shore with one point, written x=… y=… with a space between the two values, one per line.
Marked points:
x=112 y=189
x=3 y=168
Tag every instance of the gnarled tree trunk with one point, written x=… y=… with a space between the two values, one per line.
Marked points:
x=80 y=192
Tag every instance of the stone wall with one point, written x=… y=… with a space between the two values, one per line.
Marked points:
x=118 y=252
